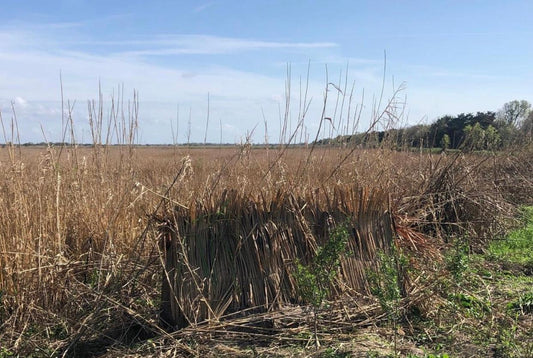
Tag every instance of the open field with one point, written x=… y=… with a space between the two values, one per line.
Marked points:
x=82 y=263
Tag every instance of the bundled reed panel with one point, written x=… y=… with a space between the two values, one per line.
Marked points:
x=238 y=253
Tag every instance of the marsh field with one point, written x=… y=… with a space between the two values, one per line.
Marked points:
x=434 y=259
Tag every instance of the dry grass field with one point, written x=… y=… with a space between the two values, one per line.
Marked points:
x=81 y=260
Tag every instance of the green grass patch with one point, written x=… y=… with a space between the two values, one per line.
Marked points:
x=517 y=247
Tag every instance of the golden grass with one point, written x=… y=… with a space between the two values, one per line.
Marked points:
x=239 y=253
x=79 y=243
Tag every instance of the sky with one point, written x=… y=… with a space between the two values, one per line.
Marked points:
x=222 y=71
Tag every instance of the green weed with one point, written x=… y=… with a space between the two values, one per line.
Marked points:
x=510 y=343
x=385 y=285
x=333 y=353
x=457 y=260
x=4 y=353
x=314 y=280
x=474 y=306
x=518 y=246
x=523 y=304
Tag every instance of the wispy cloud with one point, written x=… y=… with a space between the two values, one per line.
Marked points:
x=31 y=75
x=165 y=45
x=450 y=74
x=464 y=75
x=30 y=63
x=21 y=102
x=203 y=7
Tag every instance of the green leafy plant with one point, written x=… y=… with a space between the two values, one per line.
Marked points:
x=385 y=285
x=333 y=353
x=4 y=353
x=474 y=306
x=457 y=260
x=314 y=279
x=523 y=304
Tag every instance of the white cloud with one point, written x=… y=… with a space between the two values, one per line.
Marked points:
x=211 y=45
x=203 y=7
x=31 y=61
x=21 y=102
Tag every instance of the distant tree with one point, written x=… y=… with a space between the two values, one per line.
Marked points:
x=485 y=119
x=454 y=127
x=445 y=142
x=514 y=112
x=468 y=135
x=372 y=139
x=513 y=124
x=527 y=127
x=492 y=138
x=438 y=129
x=509 y=135
x=415 y=136
x=474 y=137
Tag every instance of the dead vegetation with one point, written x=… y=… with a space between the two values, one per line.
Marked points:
x=238 y=253
x=96 y=241
x=80 y=237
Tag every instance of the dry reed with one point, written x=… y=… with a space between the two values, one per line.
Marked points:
x=236 y=253
x=71 y=248
x=80 y=254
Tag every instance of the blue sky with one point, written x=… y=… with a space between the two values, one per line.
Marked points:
x=452 y=56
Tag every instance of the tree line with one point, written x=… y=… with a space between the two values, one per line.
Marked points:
x=512 y=124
